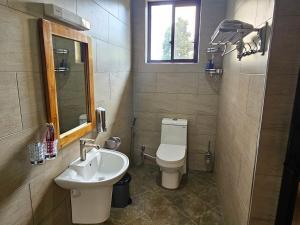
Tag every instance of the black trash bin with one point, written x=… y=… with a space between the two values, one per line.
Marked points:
x=121 y=196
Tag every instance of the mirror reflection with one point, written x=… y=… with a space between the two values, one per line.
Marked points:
x=70 y=73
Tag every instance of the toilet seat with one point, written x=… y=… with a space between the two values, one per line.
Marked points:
x=171 y=156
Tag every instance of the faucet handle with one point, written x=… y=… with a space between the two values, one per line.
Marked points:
x=87 y=140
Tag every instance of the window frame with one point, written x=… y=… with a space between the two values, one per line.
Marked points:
x=174 y=3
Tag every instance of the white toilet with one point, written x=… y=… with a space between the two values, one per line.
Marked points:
x=172 y=151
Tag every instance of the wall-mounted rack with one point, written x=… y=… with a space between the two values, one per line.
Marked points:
x=233 y=32
x=214 y=54
x=61 y=51
x=61 y=64
x=214 y=72
x=62 y=69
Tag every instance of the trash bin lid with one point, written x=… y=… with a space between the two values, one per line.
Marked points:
x=124 y=180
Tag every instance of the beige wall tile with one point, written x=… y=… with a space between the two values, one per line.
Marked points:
x=265 y=199
x=145 y=82
x=117 y=34
x=10 y=110
x=190 y=104
x=110 y=5
x=288 y=7
x=102 y=87
x=16 y=209
x=124 y=11
x=19 y=42
x=208 y=85
x=255 y=97
x=206 y=124
x=97 y=16
x=155 y=102
x=177 y=83
x=32 y=99
x=271 y=158
x=277 y=112
x=107 y=57
x=59 y=216
x=265 y=11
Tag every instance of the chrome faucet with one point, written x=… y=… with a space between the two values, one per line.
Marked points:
x=84 y=142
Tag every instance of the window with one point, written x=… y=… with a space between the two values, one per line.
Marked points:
x=173 y=31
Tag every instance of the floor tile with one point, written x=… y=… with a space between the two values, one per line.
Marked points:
x=195 y=202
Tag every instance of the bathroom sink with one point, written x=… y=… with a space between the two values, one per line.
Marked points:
x=101 y=167
x=91 y=182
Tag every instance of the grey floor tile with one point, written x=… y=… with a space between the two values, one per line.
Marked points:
x=194 y=203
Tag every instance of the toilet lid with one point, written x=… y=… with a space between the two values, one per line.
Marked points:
x=171 y=153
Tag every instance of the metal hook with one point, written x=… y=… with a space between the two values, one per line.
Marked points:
x=256 y=47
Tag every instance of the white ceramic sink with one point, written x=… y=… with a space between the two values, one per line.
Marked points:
x=91 y=183
x=101 y=167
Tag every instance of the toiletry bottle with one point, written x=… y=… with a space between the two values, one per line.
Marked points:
x=210 y=64
x=50 y=142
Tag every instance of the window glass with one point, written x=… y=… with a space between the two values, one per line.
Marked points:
x=161 y=23
x=184 y=32
x=173 y=31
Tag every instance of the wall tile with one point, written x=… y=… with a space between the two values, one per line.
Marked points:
x=271 y=159
x=10 y=111
x=255 y=97
x=3 y=2
x=19 y=42
x=190 y=104
x=265 y=196
x=265 y=11
x=97 y=16
x=102 y=87
x=17 y=208
x=107 y=57
x=208 y=85
x=124 y=11
x=177 y=83
x=117 y=34
x=145 y=82
x=59 y=216
x=206 y=124
x=32 y=100
x=288 y=8
x=110 y=5
x=277 y=112
x=153 y=102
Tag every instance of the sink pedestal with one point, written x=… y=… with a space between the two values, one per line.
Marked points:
x=91 y=205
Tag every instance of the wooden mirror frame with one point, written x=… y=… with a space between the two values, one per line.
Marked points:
x=47 y=30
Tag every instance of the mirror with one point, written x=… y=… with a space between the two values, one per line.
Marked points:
x=70 y=63
x=69 y=81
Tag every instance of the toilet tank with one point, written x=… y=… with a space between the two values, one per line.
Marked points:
x=174 y=131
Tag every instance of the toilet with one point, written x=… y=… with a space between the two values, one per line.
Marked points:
x=172 y=152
